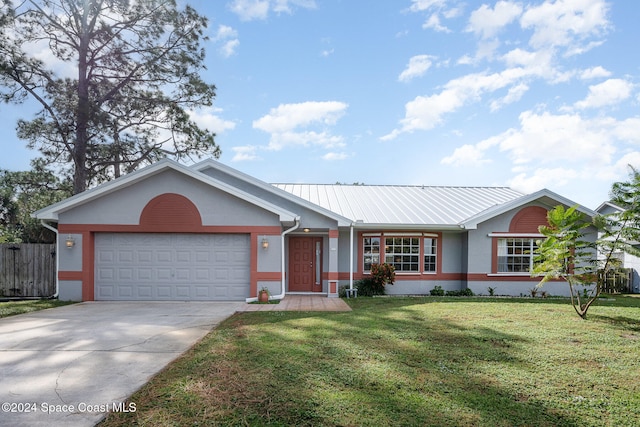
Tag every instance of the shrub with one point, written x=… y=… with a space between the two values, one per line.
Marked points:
x=437 y=291
x=492 y=291
x=381 y=275
x=341 y=291
x=463 y=293
x=367 y=287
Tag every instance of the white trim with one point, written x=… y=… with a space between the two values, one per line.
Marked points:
x=210 y=163
x=350 y=257
x=55 y=230
x=403 y=234
x=51 y=212
x=510 y=274
x=516 y=235
x=472 y=222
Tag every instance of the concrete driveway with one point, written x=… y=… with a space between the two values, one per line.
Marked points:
x=71 y=365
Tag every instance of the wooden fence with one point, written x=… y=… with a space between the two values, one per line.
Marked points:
x=27 y=270
x=618 y=281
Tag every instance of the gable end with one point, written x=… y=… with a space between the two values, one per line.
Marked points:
x=528 y=219
x=170 y=210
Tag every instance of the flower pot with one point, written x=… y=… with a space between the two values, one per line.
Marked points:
x=263 y=296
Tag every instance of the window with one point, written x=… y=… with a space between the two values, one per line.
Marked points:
x=515 y=255
x=408 y=253
x=403 y=253
x=371 y=248
x=430 y=250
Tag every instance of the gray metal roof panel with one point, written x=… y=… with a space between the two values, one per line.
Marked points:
x=403 y=204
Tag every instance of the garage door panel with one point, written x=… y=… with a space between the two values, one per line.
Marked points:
x=164 y=256
x=125 y=274
x=172 y=266
x=145 y=256
x=145 y=291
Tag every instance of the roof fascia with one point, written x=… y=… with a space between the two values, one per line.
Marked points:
x=472 y=223
x=608 y=203
x=51 y=212
x=406 y=227
x=341 y=220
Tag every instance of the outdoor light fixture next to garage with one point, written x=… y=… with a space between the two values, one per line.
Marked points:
x=70 y=242
x=265 y=243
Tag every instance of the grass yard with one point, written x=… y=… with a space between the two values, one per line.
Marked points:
x=408 y=361
x=11 y=308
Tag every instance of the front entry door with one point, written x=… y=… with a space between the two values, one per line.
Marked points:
x=305 y=264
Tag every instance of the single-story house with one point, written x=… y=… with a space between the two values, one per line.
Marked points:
x=628 y=261
x=211 y=232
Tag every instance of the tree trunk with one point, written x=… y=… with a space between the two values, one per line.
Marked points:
x=82 y=112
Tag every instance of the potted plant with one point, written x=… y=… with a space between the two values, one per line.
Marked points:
x=263 y=295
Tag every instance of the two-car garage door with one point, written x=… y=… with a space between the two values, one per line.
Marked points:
x=171 y=267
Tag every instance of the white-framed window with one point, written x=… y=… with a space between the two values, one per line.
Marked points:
x=371 y=252
x=403 y=253
x=430 y=254
x=515 y=254
x=407 y=252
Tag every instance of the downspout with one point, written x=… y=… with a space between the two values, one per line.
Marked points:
x=55 y=230
x=282 y=267
x=351 y=257
x=282 y=284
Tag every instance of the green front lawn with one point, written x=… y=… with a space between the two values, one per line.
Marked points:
x=11 y=308
x=408 y=361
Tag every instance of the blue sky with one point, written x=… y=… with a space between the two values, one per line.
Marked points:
x=531 y=95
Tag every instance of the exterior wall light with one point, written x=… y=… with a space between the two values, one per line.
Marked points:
x=70 y=242
x=265 y=243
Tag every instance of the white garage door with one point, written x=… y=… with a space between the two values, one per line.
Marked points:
x=171 y=267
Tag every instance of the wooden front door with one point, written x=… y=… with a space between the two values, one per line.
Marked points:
x=305 y=264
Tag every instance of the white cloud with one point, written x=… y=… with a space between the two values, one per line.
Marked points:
x=570 y=147
x=280 y=6
x=229 y=48
x=564 y=137
x=626 y=130
x=433 y=22
x=467 y=155
x=287 y=117
x=225 y=32
x=249 y=10
x=454 y=12
x=566 y=23
x=335 y=156
x=426 y=112
x=543 y=178
x=417 y=66
x=228 y=37
x=287 y=124
x=594 y=73
x=609 y=92
x=421 y=5
x=209 y=119
x=323 y=139
x=244 y=153
x=514 y=94
x=487 y=22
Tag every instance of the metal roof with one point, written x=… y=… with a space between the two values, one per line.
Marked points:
x=403 y=204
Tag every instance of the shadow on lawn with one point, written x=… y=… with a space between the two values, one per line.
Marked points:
x=620 y=322
x=389 y=366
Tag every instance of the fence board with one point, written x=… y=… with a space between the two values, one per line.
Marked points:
x=27 y=270
x=617 y=280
